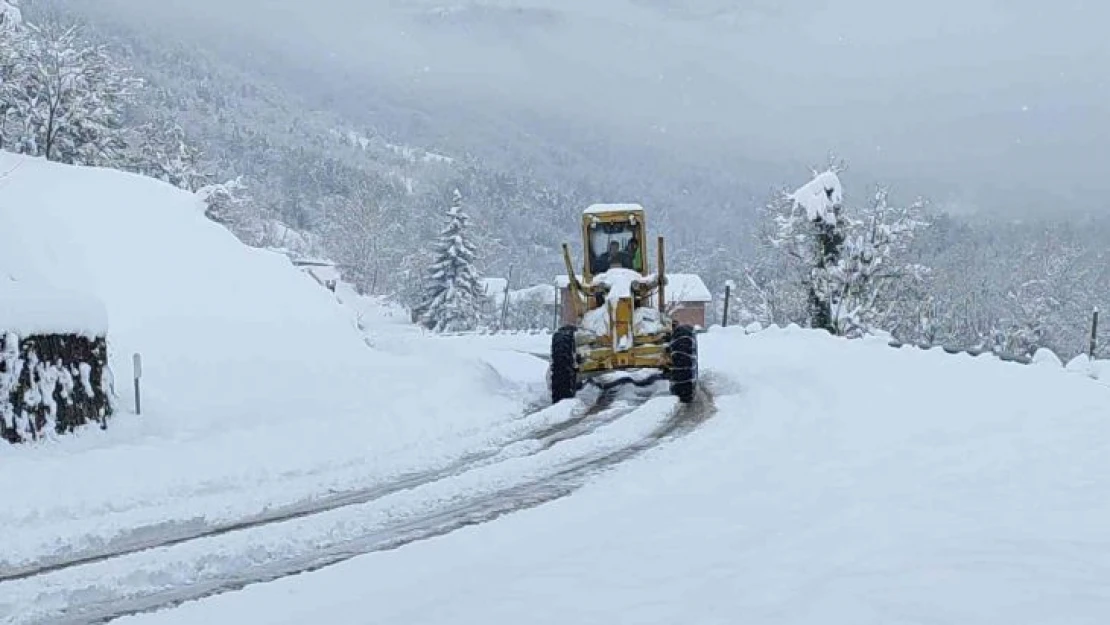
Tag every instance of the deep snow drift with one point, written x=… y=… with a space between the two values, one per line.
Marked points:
x=258 y=388
x=839 y=482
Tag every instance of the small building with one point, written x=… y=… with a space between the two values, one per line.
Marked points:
x=687 y=296
x=494 y=291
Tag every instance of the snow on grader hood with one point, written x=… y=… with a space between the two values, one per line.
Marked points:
x=621 y=320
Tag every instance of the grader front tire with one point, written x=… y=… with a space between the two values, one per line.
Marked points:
x=564 y=366
x=683 y=350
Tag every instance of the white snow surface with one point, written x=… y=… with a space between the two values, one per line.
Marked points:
x=820 y=197
x=29 y=305
x=838 y=482
x=597 y=209
x=686 y=287
x=619 y=282
x=259 y=387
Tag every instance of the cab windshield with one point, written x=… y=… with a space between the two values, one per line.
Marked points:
x=614 y=245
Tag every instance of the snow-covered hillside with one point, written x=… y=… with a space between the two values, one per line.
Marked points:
x=258 y=387
x=838 y=482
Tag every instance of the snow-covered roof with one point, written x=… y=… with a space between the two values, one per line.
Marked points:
x=493 y=286
x=324 y=273
x=597 y=209
x=540 y=293
x=820 y=196
x=681 y=287
x=322 y=270
x=687 y=287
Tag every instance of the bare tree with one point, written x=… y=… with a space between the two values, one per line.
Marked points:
x=71 y=98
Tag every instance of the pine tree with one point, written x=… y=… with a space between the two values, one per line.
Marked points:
x=453 y=294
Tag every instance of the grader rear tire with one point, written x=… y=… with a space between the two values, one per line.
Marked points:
x=564 y=366
x=683 y=350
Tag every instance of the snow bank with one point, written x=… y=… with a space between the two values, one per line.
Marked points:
x=1095 y=369
x=222 y=557
x=28 y=306
x=839 y=482
x=253 y=373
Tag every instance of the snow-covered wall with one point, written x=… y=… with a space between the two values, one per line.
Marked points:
x=54 y=373
x=52 y=383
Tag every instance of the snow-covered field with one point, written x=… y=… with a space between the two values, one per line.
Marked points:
x=838 y=482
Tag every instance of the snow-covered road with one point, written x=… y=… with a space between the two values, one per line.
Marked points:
x=837 y=482
x=566 y=444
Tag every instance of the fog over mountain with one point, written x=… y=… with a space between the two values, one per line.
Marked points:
x=981 y=104
x=355 y=131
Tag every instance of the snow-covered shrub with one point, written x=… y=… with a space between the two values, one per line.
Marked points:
x=848 y=265
x=64 y=98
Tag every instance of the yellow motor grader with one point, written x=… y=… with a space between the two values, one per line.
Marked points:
x=617 y=316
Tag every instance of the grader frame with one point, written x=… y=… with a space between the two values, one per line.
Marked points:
x=630 y=343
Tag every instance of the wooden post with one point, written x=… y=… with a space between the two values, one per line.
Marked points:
x=728 y=298
x=137 y=363
x=558 y=308
x=574 y=287
x=1094 y=334
x=662 y=277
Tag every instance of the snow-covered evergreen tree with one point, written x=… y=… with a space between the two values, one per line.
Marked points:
x=453 y=293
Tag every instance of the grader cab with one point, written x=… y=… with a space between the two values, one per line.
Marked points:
x=619 y=310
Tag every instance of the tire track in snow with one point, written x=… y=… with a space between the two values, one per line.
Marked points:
x=583 y=420
x=580 y=422
x=561 y=480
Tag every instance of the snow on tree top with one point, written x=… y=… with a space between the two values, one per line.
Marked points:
x=597 y=209
x=820 y=197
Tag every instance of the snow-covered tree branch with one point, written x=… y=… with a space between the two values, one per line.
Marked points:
x=68 y=98
x=850 y=264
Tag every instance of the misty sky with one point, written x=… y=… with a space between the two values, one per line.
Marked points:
x=1007 y=100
